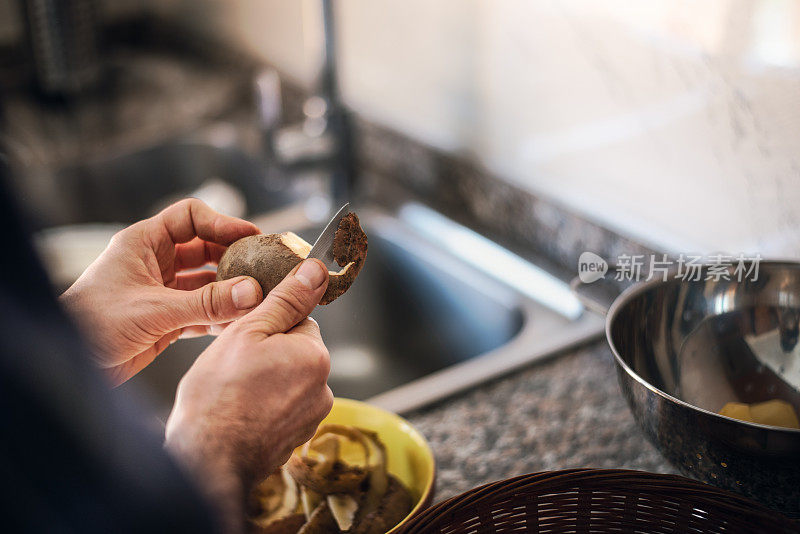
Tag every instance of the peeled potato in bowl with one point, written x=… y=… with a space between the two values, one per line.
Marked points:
x=773 y=412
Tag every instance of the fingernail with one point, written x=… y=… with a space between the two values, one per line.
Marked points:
x=310 y=274
x=244 y=294
x=215 y=329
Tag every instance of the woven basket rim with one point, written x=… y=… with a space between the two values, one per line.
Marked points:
x=674 y=488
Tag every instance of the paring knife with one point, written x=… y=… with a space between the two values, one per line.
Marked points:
x=323 y=246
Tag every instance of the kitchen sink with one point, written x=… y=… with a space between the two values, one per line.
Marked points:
x=411 y=312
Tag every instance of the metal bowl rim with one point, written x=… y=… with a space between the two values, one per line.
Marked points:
x=624 y=298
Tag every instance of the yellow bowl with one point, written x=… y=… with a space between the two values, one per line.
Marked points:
x=409 y=456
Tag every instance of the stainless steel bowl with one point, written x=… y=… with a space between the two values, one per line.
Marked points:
x=684 y=349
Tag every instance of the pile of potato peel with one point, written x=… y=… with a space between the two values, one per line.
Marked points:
x=335 y=483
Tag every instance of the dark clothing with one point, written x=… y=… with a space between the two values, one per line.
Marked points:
x=74 y=455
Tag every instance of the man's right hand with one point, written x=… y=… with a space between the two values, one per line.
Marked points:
x=256 y=393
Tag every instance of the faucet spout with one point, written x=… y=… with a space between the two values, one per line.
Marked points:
x=324 y=138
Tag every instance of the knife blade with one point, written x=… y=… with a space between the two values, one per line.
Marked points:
x=323 y=246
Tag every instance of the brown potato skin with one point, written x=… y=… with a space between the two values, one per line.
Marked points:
x=340 y=480
x=267 y=259
x=321 y=521
x=394 y=507
x=349 y=242
x=287 y=525
x=262 y=256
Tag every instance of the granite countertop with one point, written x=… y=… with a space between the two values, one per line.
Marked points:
x=567 y=412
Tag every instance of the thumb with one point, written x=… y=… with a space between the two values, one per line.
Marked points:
x=292 y=300
x=214 y=303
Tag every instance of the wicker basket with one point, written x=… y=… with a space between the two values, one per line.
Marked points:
x=598 y=501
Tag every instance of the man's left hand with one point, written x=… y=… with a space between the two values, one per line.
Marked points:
x=134 y=300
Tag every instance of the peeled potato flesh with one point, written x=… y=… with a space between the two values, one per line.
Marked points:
x=737 y=410
x=773 y=412
x=776 y=413
x=277 y=497
x=343 y=508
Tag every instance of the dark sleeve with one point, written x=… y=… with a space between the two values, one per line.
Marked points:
x=74 y=456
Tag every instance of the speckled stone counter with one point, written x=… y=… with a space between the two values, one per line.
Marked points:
x=567 y=412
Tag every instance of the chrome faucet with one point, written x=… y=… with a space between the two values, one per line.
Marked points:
x=323 y=139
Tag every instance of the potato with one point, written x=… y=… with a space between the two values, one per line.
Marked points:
x=773 y=412
x=737 y=410
x=270 y=257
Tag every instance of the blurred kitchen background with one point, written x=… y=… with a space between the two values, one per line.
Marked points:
x=549 y=127
x=485 y=144
x=543 y=127
x=672 y=122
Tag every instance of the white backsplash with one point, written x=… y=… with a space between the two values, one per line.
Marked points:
x=676 y=122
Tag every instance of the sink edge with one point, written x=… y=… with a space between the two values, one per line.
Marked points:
x=526 y=348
